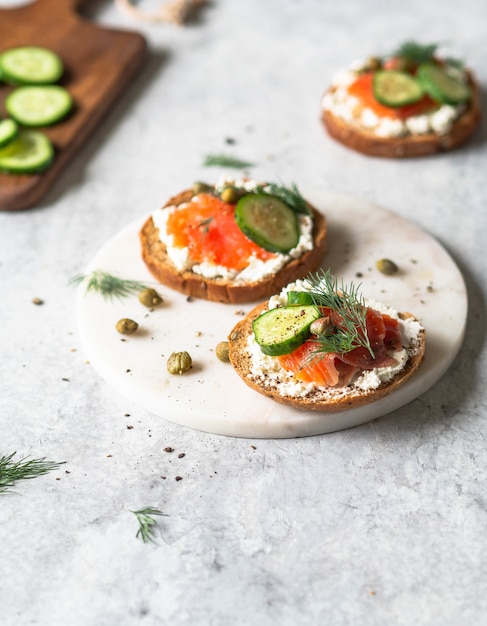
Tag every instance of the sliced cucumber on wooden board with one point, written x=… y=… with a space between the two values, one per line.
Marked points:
x=30 y=152
x=8 y=130
x=42 y=105
x=86 y=51
x=30 y=65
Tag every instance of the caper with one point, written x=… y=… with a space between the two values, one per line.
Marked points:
x=321 y=326
x=386 y=266
x=230 y=195
x=126 y=326
x=149 y=297
x=372 y=64
x=200 y=187
x=222 y=351
x=179 y=362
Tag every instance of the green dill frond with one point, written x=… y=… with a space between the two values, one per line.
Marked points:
x=457 y=63
x=414 y=51
x=349 y=306
x=11 y=471
x=341 y=341
x=205 y=224
x=146 y=520
x=107 y=285
x=289 y=195
x=224 y=160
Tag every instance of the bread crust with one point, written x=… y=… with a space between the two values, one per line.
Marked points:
x=155 y=256
x=329 y=400
x=368 y=143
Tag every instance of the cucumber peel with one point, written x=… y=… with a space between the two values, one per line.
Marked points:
x=299 y=297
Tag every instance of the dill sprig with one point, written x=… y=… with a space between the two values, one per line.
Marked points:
x=11 y=470
x=146 y=520
x=453 y=62
x=205 y=224
x=289 y=195
x=224 y=160
x=349 y=306
x=108 y=285
x=416 y=52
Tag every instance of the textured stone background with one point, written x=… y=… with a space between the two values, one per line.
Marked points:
x=382 y=524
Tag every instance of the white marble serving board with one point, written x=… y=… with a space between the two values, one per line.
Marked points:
x=211 y=397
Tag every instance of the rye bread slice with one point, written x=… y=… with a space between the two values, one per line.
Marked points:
x=155 y=256
x=329 y=399
x=366 y=142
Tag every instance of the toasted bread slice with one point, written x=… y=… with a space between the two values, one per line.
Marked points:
x=155 y=256
x=412 y=145
x=329 y=399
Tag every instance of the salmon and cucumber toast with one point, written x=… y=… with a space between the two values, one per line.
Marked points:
x=320 y=345
x=234 y=242
x=411 y=102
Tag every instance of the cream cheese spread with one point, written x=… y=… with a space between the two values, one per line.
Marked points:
x=268 y=371
x=256 y=269
x=349 y=108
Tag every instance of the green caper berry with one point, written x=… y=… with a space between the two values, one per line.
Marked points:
x=149 y=297
x=179 y=362
x=230 y=195
x=321 y=326
x=387 y=267
x=222 y=351
x=126 y=326
x=200 y=187
x=372 y=64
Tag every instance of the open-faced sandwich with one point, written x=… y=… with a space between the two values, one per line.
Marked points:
x=323 y=347
x=407 y=104
x=235 y=242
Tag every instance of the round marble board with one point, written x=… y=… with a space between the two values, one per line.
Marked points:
x=211 y=397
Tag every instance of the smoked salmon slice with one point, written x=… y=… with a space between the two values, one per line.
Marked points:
x=206 y=225
x=333 y=369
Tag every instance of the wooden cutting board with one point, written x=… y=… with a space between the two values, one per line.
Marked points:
x=99 y=63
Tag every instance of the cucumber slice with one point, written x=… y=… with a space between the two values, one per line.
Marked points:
x=267 y=221
x=30 y=65
x=396 y=89
x=441 y=86
x=282 y=330
x=8 y=131
x=31 y=151
x=38 y=105
x=299 y=297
